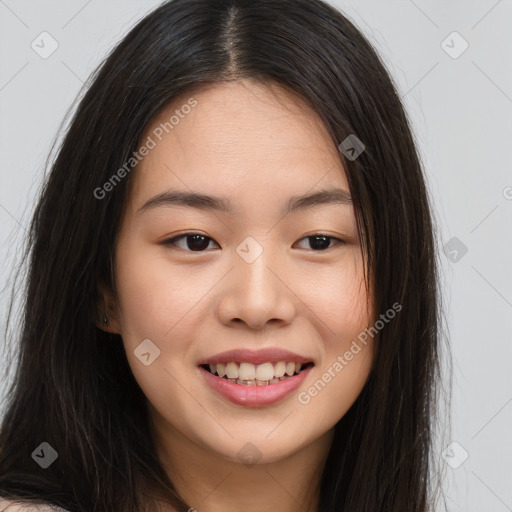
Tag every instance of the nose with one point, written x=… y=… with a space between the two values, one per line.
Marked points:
x=257 y=294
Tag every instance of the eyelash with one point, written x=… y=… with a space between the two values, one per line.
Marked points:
x=172 y=241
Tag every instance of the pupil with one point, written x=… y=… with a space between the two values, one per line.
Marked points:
x=199 y=243
x=324 y=242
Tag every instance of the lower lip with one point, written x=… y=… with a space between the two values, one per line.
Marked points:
x=254 y=396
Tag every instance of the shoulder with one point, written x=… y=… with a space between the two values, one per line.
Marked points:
x=21 y=506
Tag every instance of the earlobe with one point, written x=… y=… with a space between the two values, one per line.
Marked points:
x=107 y=318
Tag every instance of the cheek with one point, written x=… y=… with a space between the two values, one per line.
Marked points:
x=345 y=311
x=340 y=299
x=157 y=302
x=155 y=296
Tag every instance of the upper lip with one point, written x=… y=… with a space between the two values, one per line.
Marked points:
x=264 y=355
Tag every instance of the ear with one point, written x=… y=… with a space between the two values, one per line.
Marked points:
x=107 y=309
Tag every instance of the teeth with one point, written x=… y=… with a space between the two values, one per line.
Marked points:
x=256 y=375
x=265 y=371
x=232 y=370
x=279 y=369
x=257 y=382
x=247 y=383
x=220 y=370
x=247 y=371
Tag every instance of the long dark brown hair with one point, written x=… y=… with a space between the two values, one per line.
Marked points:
x=72 y=386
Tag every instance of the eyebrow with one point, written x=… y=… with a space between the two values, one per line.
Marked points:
x=205 y=202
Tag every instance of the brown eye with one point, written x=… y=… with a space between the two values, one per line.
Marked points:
x=195 y=242
x=321 y=242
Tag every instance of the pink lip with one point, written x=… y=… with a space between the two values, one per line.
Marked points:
x=254 y=396
x=265 y=355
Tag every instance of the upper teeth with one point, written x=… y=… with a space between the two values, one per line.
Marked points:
x=249 y=371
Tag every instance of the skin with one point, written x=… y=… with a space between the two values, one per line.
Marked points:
x=256 y=147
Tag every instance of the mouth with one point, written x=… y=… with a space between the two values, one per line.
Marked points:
x=263 y=374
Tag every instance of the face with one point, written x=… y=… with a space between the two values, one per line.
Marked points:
x=257 y=283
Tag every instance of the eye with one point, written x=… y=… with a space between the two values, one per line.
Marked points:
x=321 y=242
x=195 y=242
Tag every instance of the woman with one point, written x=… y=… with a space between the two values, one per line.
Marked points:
x=232 y=298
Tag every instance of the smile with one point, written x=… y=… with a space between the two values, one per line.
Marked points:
x=249 y=374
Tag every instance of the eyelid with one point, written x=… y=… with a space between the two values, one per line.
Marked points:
x=174 y=239
x=339 y=241
x=171 y=241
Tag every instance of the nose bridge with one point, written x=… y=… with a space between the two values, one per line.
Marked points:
x=254 y=267
x=257 y=293
x=257 y=283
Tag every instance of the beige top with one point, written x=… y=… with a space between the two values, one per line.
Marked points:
x=20 y=506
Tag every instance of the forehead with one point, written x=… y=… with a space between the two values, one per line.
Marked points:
x=240 y=139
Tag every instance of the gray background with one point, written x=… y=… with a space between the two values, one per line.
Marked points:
x=461 y=110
